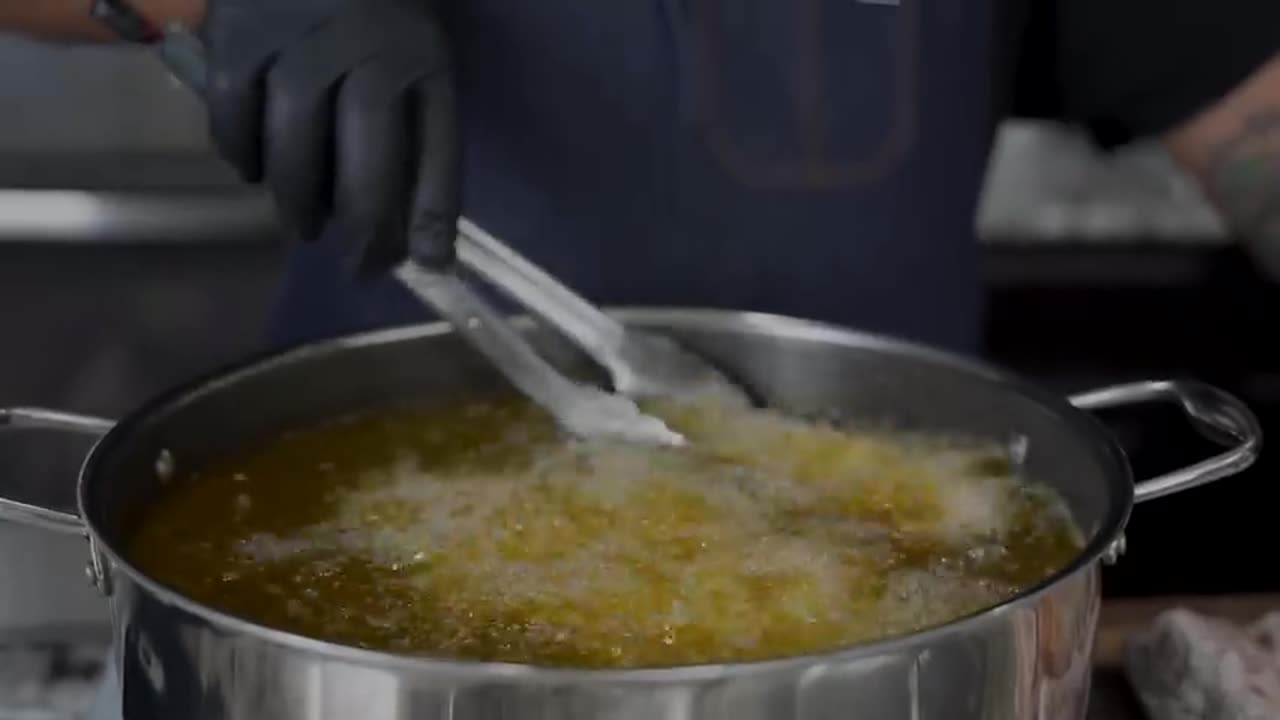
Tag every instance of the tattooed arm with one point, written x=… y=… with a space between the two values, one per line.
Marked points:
x=1233 y=149
x=69 y=20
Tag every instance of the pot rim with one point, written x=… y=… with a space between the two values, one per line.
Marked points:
x=1110 y=526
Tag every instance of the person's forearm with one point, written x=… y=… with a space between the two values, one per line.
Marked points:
x=1233 y=149
x=69 y=20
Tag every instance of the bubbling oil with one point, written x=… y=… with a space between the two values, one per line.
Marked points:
x=481 y=532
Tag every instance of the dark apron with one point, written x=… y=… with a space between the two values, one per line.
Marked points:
x=818 y=158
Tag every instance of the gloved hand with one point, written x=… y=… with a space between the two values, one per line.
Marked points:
x=346 y=109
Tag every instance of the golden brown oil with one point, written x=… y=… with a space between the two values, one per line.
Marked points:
x=481 y=532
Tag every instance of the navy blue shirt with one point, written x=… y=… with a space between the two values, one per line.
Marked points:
x=818 y=158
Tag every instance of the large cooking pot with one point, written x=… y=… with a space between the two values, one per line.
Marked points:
x=1028 y=658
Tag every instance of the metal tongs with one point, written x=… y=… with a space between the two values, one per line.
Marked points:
x=583 y=410
x=639 y=364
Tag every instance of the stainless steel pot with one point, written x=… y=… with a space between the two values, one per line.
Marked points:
x=1027 y=659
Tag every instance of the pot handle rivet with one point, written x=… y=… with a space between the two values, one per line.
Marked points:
x=1115 y=550
x=95 y=571
x=165 y=466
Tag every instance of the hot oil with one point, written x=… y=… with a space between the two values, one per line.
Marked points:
x=480 y=532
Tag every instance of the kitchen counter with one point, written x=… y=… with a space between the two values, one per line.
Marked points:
x=1112 y=699
x=51 y=673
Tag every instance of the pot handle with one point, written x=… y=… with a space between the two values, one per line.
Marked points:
x=1216 y=414
x=41 y=419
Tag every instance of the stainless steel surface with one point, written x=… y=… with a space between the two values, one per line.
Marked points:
x=98 y=143
x=183 y=54
x=585 y=411
x=136 y=217
x=97 y=328
x=1216 y=414
x=1028 y=659
x=38 y=418
x=640 y=364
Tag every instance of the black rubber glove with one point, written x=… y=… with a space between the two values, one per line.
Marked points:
x=345 y=109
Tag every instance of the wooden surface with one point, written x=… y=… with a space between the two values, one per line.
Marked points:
x=1112 y=697
x=1123 y=617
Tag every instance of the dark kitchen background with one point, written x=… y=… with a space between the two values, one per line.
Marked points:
x=131 y=260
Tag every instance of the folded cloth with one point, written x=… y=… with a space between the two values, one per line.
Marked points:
x=1186 y=666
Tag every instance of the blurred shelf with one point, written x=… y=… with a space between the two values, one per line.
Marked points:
x=1113 y=263
x=233 y=216
x=117 y=170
